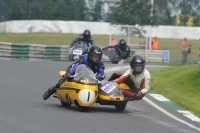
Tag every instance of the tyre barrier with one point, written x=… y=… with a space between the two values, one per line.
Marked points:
x=9 y=51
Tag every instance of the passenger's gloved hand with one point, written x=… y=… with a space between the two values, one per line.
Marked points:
x=117 y=49
x=139 y=94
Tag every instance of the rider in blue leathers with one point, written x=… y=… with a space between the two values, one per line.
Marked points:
x=92 y=59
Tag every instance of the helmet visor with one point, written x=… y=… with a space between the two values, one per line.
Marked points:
x=86 y=34
x=95 y=58
x=138 y=67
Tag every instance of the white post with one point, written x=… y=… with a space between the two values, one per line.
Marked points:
x=150 y=36
x=110 y=35
x=146 y=47
x=128 y=35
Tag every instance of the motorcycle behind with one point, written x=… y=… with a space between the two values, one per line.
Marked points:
x=84 y=90
x=79 y=48
x=111 y=55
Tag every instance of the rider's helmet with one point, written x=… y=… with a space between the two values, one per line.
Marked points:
x=95 y=54
x=122 y=44
x=137 y=64
x=86 y=34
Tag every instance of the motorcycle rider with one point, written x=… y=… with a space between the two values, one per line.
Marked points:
x=122 y=49
x=86 y=37
x=92 y=59
x=136 y=77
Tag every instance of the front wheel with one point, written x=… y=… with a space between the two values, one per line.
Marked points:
x=65 y=104
x=121 y=106
x=83 y=109
x=71 y=57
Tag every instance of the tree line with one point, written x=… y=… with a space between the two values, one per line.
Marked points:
x=131 y=12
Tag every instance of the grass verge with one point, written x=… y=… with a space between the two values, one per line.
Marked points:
x=180 y=84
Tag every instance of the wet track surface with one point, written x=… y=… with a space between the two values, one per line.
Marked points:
x=22 y=109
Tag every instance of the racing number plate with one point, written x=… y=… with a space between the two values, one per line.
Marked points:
x=78 y=52
x=108 y=87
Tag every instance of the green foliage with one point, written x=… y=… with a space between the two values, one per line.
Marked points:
x=133 y=12
x=17 y=10
x=180 y=84
x=48 y=10
x=96 y=10
x=125 y=12
x=3 y=10
x=164 y=11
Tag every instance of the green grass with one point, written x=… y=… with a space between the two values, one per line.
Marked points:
x=180 y=84
x=102 y=40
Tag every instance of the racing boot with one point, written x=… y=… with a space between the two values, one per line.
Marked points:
x=52 y=89
x=49 y=92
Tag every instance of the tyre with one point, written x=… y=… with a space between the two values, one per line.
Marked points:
x=121 y=106
x=83 y=109
x=65 y=104
x=71 y=58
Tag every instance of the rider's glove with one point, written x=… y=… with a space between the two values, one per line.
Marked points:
x=103 y=48
x=99 y=77
x=70 y=78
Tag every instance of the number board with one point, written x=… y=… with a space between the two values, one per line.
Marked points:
x=78 y=52
x=108 y=87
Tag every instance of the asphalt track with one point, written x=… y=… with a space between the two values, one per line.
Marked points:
x=22 y=109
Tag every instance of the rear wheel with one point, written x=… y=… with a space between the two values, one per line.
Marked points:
x=121 y=106
x=65 y=104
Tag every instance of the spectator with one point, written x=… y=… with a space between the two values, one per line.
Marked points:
x=143 y=44
x=155 y=43
x=184 y=48
x=114 y=42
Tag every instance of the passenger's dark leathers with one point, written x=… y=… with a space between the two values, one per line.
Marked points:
x=89 y=41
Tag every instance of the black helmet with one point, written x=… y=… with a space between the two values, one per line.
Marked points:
x=137 y=60
x=122 y=44
x=86 y=34
x=95 y=54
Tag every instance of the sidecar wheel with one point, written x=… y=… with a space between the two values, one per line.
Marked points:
x=65 y=104
x=121 y=106
x=83 y=109
x=71 y=58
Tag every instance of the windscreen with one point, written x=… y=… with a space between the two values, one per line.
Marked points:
x=85 y=75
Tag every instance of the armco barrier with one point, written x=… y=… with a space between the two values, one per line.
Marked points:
x=9 y=51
